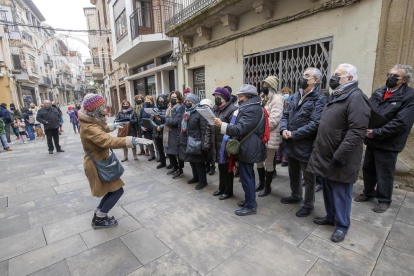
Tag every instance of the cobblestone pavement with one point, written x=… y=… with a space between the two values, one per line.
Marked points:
x=168 y=228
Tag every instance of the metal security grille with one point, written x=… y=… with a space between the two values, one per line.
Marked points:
x=200 y=83
x=289 y=63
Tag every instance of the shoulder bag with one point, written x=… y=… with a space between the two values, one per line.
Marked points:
x=233 y=145
x=109 y=169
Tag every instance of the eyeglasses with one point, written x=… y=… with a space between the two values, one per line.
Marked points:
x=395 y=76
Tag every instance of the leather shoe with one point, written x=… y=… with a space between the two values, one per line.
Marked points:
x=212 y=171
x=322 y=221
x=246 y=211
x=170 y=166
x=50 y=151
x=200 y=186
x=240 y=203
x=151 y=158
x=217 y=193
x=192 y=181
x=361 y=198
x=161 y=165
x=290 y=200
x=338 y=236
x=304 y=212
x=60 y=150
x=172 y=171
x=224 y=196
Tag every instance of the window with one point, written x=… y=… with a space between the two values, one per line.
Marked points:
x=143 y=68
x=32 y=62
x=121 y=26
x=16 y=62
x=200 y=83
x=171 y=78
x=3 y=17
x=289 y=63
x=165 y=59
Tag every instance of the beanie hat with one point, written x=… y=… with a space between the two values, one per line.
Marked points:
x=92 y=101
x=3 y=105
x=207 y=102
x=229 y=89
x=273 y=82
x=69 y=108
x=12 y=105
x=192 y=98
x=223 y=92
x=248 y=89
x=186 y=91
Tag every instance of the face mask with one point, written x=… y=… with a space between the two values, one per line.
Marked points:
x=265 y=90
x=240 y=102
x=78 y=107
x=12 y=108
x=32 y=107
x=188 y=105
x=162 y=104
x=125 y=107
x=139 y=102
x=147 y=104
x=334 y=82
x=287 y=96
x=303 y=83
x=391 y=82
x=173 y=101
x=218 y=101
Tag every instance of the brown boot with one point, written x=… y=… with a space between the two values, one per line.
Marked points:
x=8 y=149
x=147 y=152
x=125 y=155
x=134 y=153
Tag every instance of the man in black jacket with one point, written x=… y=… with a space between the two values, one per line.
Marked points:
x=299 y=126
x=395 y=102
x=338 y=148
x=50 y=118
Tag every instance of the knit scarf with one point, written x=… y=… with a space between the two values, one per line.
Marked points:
x=186 y=117
x=167 y=128
x=225 y=138
x=343 y=88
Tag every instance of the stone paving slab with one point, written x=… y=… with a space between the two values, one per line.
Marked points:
x=12 y=225
x=57 y=199
x=395 y=262
x=47 y=215
x=70 y=178
x=59 y=269
x=406 y=213
x=401 y=237
x=3 y=202
x=21 y=243
x=70 y=187
x=44 y=183
x=46 y=256
x=324 y=268
x=30 y=196
x=4 y=268
x=109 y=259
x=17 y=209
x=85 y=203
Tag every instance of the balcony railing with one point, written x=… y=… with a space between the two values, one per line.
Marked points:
x=151 y=20
x=47 y=80
x=187 y=9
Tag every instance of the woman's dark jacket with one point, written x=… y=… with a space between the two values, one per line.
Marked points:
x=196 y=128
x=144 y=115
x=132 y=118
x=399 y=109
x=174 y=122
x=161 y=110
x=214 y=138
x=250 y=112
x=302 y=119
x=338 y=147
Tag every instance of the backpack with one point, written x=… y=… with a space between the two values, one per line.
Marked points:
x=266 y=135
x=32 y=119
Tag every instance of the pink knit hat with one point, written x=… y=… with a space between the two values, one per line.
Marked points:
x=92 y=101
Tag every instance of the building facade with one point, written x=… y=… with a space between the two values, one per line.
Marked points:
x=140 y=43
x=35 y=61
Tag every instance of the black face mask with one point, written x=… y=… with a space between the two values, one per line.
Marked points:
x=391 y=82
x=265 y=90
x=334 y=82
x=125 y=107
x=218 y=101
x=188 y=105
x=173 y=101
x=32 y=107
x=139 y=102
x=78 y=107
x=162 y=104
x=240 y=102
x=303 y=83
x=147 y=104
x=12 y=108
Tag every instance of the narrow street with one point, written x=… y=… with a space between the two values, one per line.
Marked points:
x=168 y=228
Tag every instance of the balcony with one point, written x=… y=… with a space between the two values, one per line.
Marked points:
x=55 y=81
x=45 y=82
x=97 y=73
x=46 y=59
x=147 y=32
x=198 y=17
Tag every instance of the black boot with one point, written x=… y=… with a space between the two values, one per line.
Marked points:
x=267 y=188
x=105 y=222
x=260 y=186
x=94 y=219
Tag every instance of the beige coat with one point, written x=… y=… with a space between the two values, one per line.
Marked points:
x=95 y=138
x=275 y=110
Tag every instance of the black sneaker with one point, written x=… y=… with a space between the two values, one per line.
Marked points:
x=192 y=181
x=304 y=212
x=178 y=174
x=170 y=166
x=151 y=158
x=246 y=211
x=290 y=200
x=50 y=151
x=172 y=171
x=60 y=150
x=200 y=186
x=323 y=221
x=94 y=219
x=105 y=222
x=212 y=171
x=338 y=236
x=285 y=164
x=161 y=166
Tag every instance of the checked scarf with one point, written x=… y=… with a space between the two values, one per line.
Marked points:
x=186 y=117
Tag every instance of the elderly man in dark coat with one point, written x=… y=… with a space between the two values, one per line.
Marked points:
x=250 y=117
x=394 y=102
x=299 y=126
x=338 y=147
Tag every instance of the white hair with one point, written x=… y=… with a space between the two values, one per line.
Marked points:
x=317 y=74
x=351 y=70
x=408 y=71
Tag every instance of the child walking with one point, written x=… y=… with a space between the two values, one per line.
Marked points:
x=21 y=126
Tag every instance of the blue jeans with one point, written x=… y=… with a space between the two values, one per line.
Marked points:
x=30 y=131
x=109 y=200
x=246 y=173
x=338 y=200
x=4 y=140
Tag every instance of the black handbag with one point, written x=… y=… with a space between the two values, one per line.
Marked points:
x=109 y=169
x=193 y=146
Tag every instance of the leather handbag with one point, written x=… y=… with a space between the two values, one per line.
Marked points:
x=193 y=146
x=233 y=145
x=124 y=132
x=109 y=169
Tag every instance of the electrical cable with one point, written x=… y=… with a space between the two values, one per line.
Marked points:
x=6 y=23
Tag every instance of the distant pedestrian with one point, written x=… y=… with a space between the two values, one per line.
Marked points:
x=5 y=116
x=60 y=117
x=14 y=113
x=158 y=122
x=139 y=104
x=210 y=165
x=280 y=158
x=50 y=118
x=29 y=120
x=73 y=119
x=21 y=128
x=3 y=135
x=147 y=131
x=128 y=115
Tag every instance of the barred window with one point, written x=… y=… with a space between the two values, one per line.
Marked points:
x=121 y=26
x=289 y=63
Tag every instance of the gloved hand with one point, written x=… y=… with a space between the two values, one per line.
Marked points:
x=134 y=143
